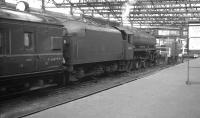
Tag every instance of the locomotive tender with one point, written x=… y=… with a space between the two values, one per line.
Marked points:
x=33 y=45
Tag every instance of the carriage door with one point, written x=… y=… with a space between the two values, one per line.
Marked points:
x=28 y=60
x=2 y=52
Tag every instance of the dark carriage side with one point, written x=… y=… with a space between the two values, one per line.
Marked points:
x=31 y=46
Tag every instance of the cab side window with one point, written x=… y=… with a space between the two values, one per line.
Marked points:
x=28 y=40
x=124 y=36
x=130 y=39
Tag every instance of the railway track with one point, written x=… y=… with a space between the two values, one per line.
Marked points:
x=40 y=100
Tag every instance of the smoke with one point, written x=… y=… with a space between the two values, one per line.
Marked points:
x=126 y=7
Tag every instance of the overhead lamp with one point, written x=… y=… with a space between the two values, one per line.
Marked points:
x=22 y=6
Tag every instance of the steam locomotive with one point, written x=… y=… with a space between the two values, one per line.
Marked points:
x=35 y=49
x=92 y=50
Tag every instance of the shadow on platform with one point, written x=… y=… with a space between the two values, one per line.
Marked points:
x=192 y=82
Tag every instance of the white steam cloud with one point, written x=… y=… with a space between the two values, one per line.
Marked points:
x=126 y=7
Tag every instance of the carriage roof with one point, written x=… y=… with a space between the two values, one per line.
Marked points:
x=26 y=16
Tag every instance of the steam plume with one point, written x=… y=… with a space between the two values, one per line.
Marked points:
x=126 y=7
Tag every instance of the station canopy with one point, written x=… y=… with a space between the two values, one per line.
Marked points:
x=142 y=13
x=174 y=13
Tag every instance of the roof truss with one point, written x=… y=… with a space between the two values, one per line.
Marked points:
x=144 y=12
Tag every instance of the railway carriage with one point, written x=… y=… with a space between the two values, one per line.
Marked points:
x=30 y=45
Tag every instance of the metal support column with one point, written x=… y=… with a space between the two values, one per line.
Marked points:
x=188 y=61
x=71 y=10
x=43 y=5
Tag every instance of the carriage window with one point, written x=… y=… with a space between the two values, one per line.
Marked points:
x=28 y=40
x=56 y=43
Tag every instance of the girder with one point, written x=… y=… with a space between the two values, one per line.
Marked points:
x=143 y=12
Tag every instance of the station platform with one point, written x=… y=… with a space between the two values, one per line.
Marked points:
x=161 y=95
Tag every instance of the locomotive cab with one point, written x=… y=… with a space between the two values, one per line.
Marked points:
x=128 y=45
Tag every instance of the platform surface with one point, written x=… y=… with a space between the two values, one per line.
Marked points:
x=161 y=95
